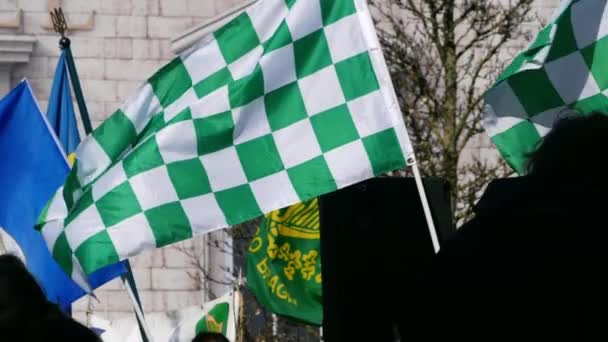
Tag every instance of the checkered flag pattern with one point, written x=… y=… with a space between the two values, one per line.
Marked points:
x=289 y=100
x=564 y=71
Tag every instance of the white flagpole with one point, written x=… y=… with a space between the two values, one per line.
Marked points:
x=137 y=309
x=425 y=206
x=391 y=99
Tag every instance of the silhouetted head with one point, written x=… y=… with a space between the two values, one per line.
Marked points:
x=21 y=298
x=26 y=314
x=574 y=152
x=210 y=337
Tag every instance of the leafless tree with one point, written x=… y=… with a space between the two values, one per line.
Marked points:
x=197 y=253
x=442 y=56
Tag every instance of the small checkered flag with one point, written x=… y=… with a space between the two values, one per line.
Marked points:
x=566 y=68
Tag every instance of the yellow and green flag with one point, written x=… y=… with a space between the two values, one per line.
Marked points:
x=216 y=320
x=217 y=316
x=284 y=263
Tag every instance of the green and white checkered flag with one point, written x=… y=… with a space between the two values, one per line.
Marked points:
x=290 y=100
x=565 y=68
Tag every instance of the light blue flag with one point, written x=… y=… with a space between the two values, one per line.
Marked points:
x=32 y=168
x=60 y=114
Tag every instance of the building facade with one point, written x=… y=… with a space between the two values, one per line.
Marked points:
x=118 y=44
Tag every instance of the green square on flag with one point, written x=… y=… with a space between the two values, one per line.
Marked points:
x=330 y=138
x=213 y=82
x=564 y=34
x=214 y=133
x=315 y=172
x=238 y=203
x=102 y=246
x=113 y=133
x=62 y=253
x=537 y=82
x=281 y=39
x=521 y=137
x=383 y=142
x=72 y=183
x=189 y=178
x=596 y=56
x=171 y=82
x=237 y=38
x=359 y=66
x=156 y=122
x=333 y=11
x=585 y=106
x=169 y=223
x=83 y=203
x=311 y=54
x=260 y=158
x=285 y=106
x=134 y=165
x=118 y=205
x=246 y=89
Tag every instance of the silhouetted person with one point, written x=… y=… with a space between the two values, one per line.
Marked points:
x=25 y=313
x=532 y=264
x=210 y=337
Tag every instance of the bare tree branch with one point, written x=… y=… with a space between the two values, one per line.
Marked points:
x=441 y=54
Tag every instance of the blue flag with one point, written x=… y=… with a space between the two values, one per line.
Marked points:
x=60 y=110
x=32 y=168
x=60 y=114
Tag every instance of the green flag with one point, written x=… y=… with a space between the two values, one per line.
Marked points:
x=565 y=68
x=216 y=320
x=284 y=263
x=217 y=316
x=290 y=100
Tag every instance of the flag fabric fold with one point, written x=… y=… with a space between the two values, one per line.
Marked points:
x=563 y=72
x=288 y=101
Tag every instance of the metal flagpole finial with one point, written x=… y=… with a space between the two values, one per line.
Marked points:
x=60 y=25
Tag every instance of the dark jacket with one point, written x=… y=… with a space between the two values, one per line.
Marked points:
x=48 y=325
x=25 y=313
x=531 y=265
